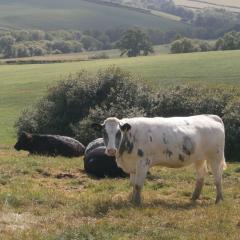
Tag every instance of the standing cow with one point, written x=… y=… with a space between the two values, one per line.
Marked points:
x=140 y=143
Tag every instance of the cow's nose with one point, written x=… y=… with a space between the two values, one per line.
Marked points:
x=111 y=152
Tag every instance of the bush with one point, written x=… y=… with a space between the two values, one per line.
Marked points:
x=186 y=45
x=73 y=104
x=70 y=107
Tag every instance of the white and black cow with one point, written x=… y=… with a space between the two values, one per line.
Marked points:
x=140 y=143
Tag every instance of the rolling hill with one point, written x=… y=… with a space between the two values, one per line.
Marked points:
x=77 y=14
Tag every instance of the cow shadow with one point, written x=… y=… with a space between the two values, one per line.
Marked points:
x=163 y=203
x=102 y=208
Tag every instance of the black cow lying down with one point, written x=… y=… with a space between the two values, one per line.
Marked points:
x=98 y=164
x=50 y=145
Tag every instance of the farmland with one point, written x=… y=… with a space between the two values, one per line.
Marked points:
x=53 y=199
x=82 y=15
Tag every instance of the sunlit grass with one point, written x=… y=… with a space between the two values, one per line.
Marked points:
x=81 y=207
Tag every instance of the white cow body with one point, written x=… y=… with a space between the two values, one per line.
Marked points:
x=171 y=142
x=162 y=141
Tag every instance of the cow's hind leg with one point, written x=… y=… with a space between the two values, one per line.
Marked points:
x=217 y=170
x=201 y=170
x=139 y=178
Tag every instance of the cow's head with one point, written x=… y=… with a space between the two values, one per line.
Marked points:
x=24 y=141
x=112 y=130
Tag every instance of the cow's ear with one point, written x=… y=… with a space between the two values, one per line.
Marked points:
x=97 y=126
x=125 y=127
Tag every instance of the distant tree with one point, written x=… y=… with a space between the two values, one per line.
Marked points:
x=186 y=45
x=90 y=43
x=183 y=45
x=6 y=43
x=134 y=43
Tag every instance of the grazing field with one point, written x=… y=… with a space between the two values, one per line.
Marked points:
x=77 y=14
x=45 y=198
x=22 y=85
x=230 y=5
x=53 y=199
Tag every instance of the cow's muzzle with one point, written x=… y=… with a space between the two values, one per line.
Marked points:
x=111 y=152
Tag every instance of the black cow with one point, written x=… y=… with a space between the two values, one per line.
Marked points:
x=50 y=145
x=98 y=164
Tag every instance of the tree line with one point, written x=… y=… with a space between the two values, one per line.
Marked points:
x=230 y=41
x=27 y=43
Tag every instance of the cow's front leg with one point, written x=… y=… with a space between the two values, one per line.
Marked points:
x=139 y=178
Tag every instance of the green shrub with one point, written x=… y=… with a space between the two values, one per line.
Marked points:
x=73 y=104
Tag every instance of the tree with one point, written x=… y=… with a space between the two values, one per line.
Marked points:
x=6 y=43
x=134 y=43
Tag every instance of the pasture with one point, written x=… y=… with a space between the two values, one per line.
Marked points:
x=82 y=15
x=53 y=199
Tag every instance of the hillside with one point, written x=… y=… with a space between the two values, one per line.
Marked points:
x=76 y=14
x=230 y=5
x=22 y=85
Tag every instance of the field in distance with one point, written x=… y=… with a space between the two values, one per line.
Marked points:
x=230 y=5
x=81 y=15
x=82 y=56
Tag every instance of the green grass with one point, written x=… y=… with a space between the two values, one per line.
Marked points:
x=36 y=204
x=77 y=14
x=22 y=85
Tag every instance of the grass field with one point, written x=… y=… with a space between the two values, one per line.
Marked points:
x=22 y=85
x=77 y=14
x=53 y=199
x=45 y=198
x=230 y=5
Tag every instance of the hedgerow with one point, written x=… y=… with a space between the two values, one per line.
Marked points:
x=73 y=104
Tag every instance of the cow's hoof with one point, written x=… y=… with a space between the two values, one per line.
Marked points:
x=136 y=201
x=218 y=200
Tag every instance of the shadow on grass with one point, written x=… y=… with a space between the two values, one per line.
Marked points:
x=102 y=206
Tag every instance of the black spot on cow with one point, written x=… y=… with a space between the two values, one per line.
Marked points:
x=187 y=123
x=181 y=157
x=188 y=145
x=165 y=141
x=98 y=164
x=130 y=146
x=140 y=152
x=126 y=145
x=50 y=145
x=105 y=136
x=150 y=138
x=147 y=162
x=168 y=153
